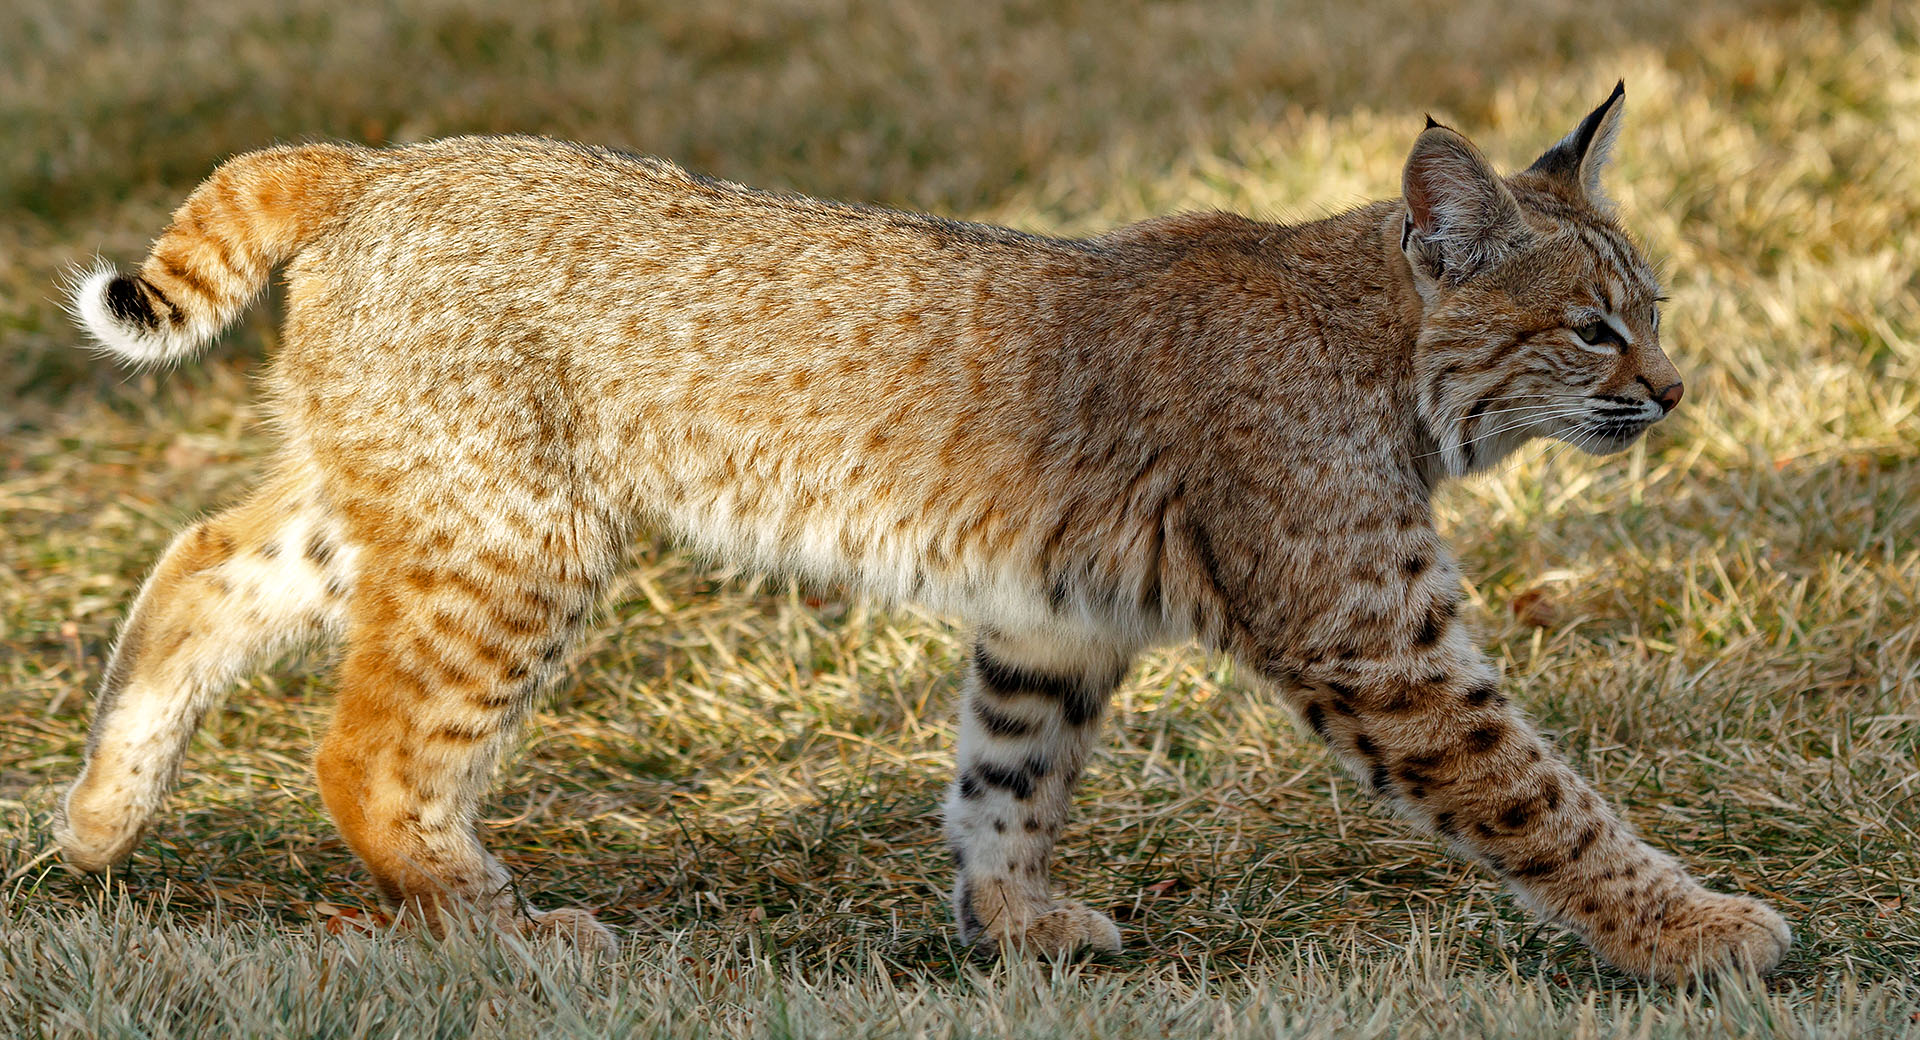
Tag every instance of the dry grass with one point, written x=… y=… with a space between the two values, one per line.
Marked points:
x=1720 y=627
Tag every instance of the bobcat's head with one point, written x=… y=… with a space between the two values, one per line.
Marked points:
x=1541 y=317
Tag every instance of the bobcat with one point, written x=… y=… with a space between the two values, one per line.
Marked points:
x=504 y=355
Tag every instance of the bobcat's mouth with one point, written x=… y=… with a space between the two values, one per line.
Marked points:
x=1604 y=437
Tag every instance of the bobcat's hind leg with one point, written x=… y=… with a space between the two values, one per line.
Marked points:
x=228 y=592
x=1032 y=704
x=446 y=652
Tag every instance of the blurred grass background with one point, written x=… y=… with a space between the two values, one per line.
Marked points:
x=1719 y=627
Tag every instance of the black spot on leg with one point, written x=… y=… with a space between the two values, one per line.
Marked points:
x=493 y=699
x=1414 y=566
x=1427 y=761
x=999 y=723
x=1317 y=719
x=1516 y=816
x=1014 y=780
x=1443 y=823
x=1531 y=868
x=969 y=787
x=1343 y=697
x=1365 y=745
x=1434 y=625
x=999 y=826
x=1584 y=842
x=1482 y=693
x=453 y=733
x=1382 y=783
x=1032 y=826
x=1485 y=739
x=959 y=856
x=1550 y=795
x=1081 y=698
x=319 y=551
x=1038 y=767
x=1082 y=708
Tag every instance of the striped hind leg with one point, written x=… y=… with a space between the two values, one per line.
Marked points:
x=1032 y=707
x=229 y=591
x=448 y=644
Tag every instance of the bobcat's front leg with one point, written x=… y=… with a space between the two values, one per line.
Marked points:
x=1031 y=707
x=1414 y=710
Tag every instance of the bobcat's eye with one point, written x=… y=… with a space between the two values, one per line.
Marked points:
x=1600 y=333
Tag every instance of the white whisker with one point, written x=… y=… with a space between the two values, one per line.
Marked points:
x=1545 y=413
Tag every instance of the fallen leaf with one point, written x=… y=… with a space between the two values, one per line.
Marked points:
x=1536 y=607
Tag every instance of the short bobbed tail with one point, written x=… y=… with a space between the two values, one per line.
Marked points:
x=254 y=213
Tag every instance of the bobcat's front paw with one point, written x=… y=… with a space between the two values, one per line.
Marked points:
x=1070 y=927
x=1708 y=934
x=1064 y=929
x=1717 y=933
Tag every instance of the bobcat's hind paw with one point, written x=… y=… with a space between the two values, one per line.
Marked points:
x=576 y=928
x=95 y=838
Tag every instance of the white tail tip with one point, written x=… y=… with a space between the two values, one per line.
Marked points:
x=116 y=311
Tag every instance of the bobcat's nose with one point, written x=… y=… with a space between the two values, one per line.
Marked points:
x=1669 y=396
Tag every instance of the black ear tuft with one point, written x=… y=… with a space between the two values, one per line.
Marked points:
x=1578 y=157
x=1431 y=122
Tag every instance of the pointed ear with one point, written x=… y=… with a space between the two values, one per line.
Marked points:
x=1460 y=214
x=1580 y=156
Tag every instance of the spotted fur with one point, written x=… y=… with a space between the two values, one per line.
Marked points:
x=503 y=356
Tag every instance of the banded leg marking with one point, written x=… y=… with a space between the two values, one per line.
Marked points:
x=1028 y=719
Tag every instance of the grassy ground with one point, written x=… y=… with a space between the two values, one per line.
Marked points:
x=1721 y=627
